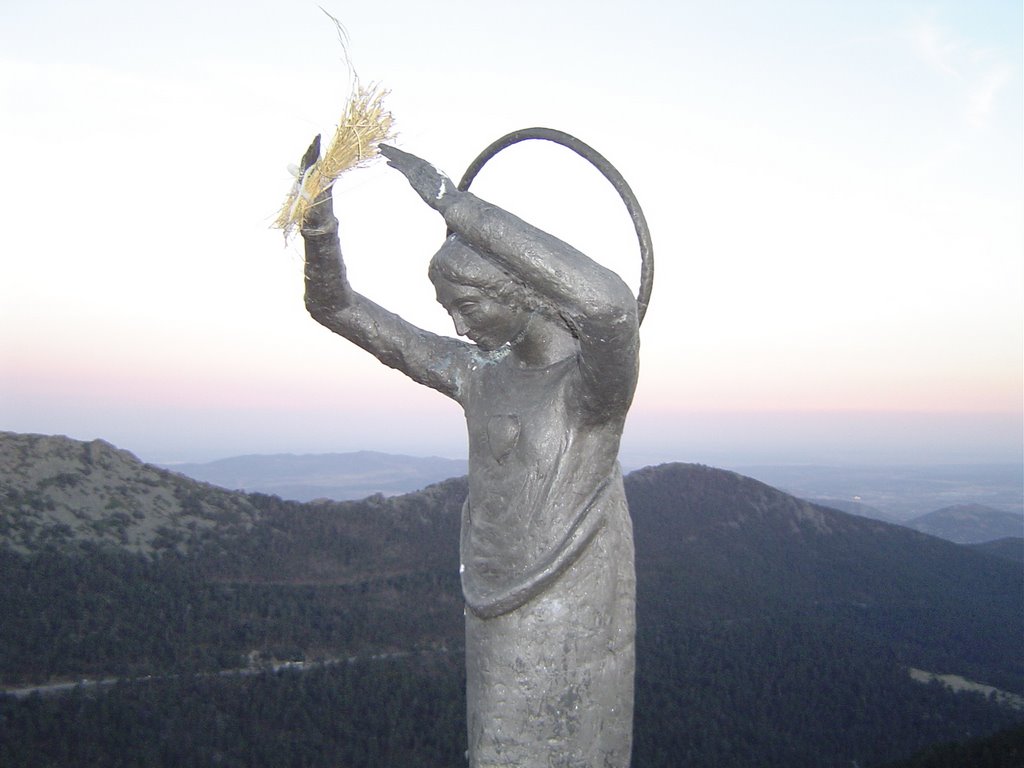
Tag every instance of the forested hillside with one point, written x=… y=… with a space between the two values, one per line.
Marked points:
x=1010 y=549
x=771 y=632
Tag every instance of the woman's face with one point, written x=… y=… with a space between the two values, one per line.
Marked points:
x=480 y=317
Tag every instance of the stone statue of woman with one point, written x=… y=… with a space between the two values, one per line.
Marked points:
x=545 y=380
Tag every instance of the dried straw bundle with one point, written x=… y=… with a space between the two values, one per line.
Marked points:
x=364 y=124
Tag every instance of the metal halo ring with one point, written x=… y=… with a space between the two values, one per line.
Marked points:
x=595 y=158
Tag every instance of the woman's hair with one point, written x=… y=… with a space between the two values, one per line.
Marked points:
x=457 y=263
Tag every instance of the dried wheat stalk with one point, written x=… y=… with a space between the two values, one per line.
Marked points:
x=364 y=124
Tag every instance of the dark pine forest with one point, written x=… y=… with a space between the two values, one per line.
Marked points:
x=772 y=632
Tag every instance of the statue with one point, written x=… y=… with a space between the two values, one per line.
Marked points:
x=545 y=378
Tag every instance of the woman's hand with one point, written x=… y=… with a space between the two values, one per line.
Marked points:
x=436 y=189
x=327 y=289
x=319 y=217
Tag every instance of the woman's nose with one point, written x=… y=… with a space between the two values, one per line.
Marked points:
x=460 y=325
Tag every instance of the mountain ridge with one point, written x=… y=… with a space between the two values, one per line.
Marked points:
x=771 y=630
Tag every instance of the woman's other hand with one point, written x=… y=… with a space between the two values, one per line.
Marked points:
x=436 y=189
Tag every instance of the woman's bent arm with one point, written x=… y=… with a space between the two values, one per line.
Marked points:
x=436 y=361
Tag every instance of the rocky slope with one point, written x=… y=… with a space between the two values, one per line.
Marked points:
x=55 y=490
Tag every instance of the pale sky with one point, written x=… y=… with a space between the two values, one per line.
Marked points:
x=835 y=192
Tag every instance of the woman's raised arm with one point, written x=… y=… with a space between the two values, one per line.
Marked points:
x=436 y=361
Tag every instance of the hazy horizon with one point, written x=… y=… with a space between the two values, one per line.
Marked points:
x=724 y=440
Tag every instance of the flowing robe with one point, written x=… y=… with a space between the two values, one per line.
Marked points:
x=547 y=573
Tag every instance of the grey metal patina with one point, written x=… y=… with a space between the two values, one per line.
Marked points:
x=545 y=381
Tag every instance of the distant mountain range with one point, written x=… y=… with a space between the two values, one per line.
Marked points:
x=337 y=476
x=771 y=631
x=897 y=493
x=969 y=524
